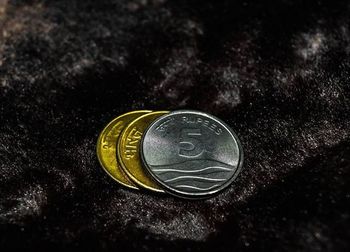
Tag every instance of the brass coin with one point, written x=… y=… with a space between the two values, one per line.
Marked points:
x=106 y=147
x=129 y=151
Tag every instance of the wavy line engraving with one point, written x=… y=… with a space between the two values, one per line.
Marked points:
x=194 y=174
x=197 y=188
x=191 y=161
x=218 y=168
x=194 y=178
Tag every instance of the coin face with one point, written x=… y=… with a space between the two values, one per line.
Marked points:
x=129 y=151
x=106 y=147
x=192 y=154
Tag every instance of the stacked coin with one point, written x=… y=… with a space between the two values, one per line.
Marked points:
x=189 y=154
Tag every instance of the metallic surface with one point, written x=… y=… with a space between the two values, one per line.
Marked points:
x=106 y=147
x=192 y=154
x=129 y=151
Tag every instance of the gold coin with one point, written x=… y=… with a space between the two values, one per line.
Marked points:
x=129 y=151
x=106 y=147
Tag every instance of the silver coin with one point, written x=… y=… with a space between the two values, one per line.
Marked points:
x=192 y=154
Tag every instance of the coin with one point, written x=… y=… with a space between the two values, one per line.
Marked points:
x=129 y=151
x=106 y=147
x=191 y=154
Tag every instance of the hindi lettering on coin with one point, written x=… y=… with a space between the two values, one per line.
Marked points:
x=129 y=151
x=106 y=147
x=192 y=154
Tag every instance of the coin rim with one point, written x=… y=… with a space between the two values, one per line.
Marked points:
x=199 y=195
x=99 y=146
x=124 y=167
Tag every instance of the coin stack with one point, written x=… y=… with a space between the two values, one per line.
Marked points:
x=186 y=153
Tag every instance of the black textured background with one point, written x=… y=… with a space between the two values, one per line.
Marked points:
x=277 y=72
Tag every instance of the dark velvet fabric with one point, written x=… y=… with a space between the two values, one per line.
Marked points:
x=277 y=72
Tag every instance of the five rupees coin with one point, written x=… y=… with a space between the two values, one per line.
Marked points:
x=191 y=154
